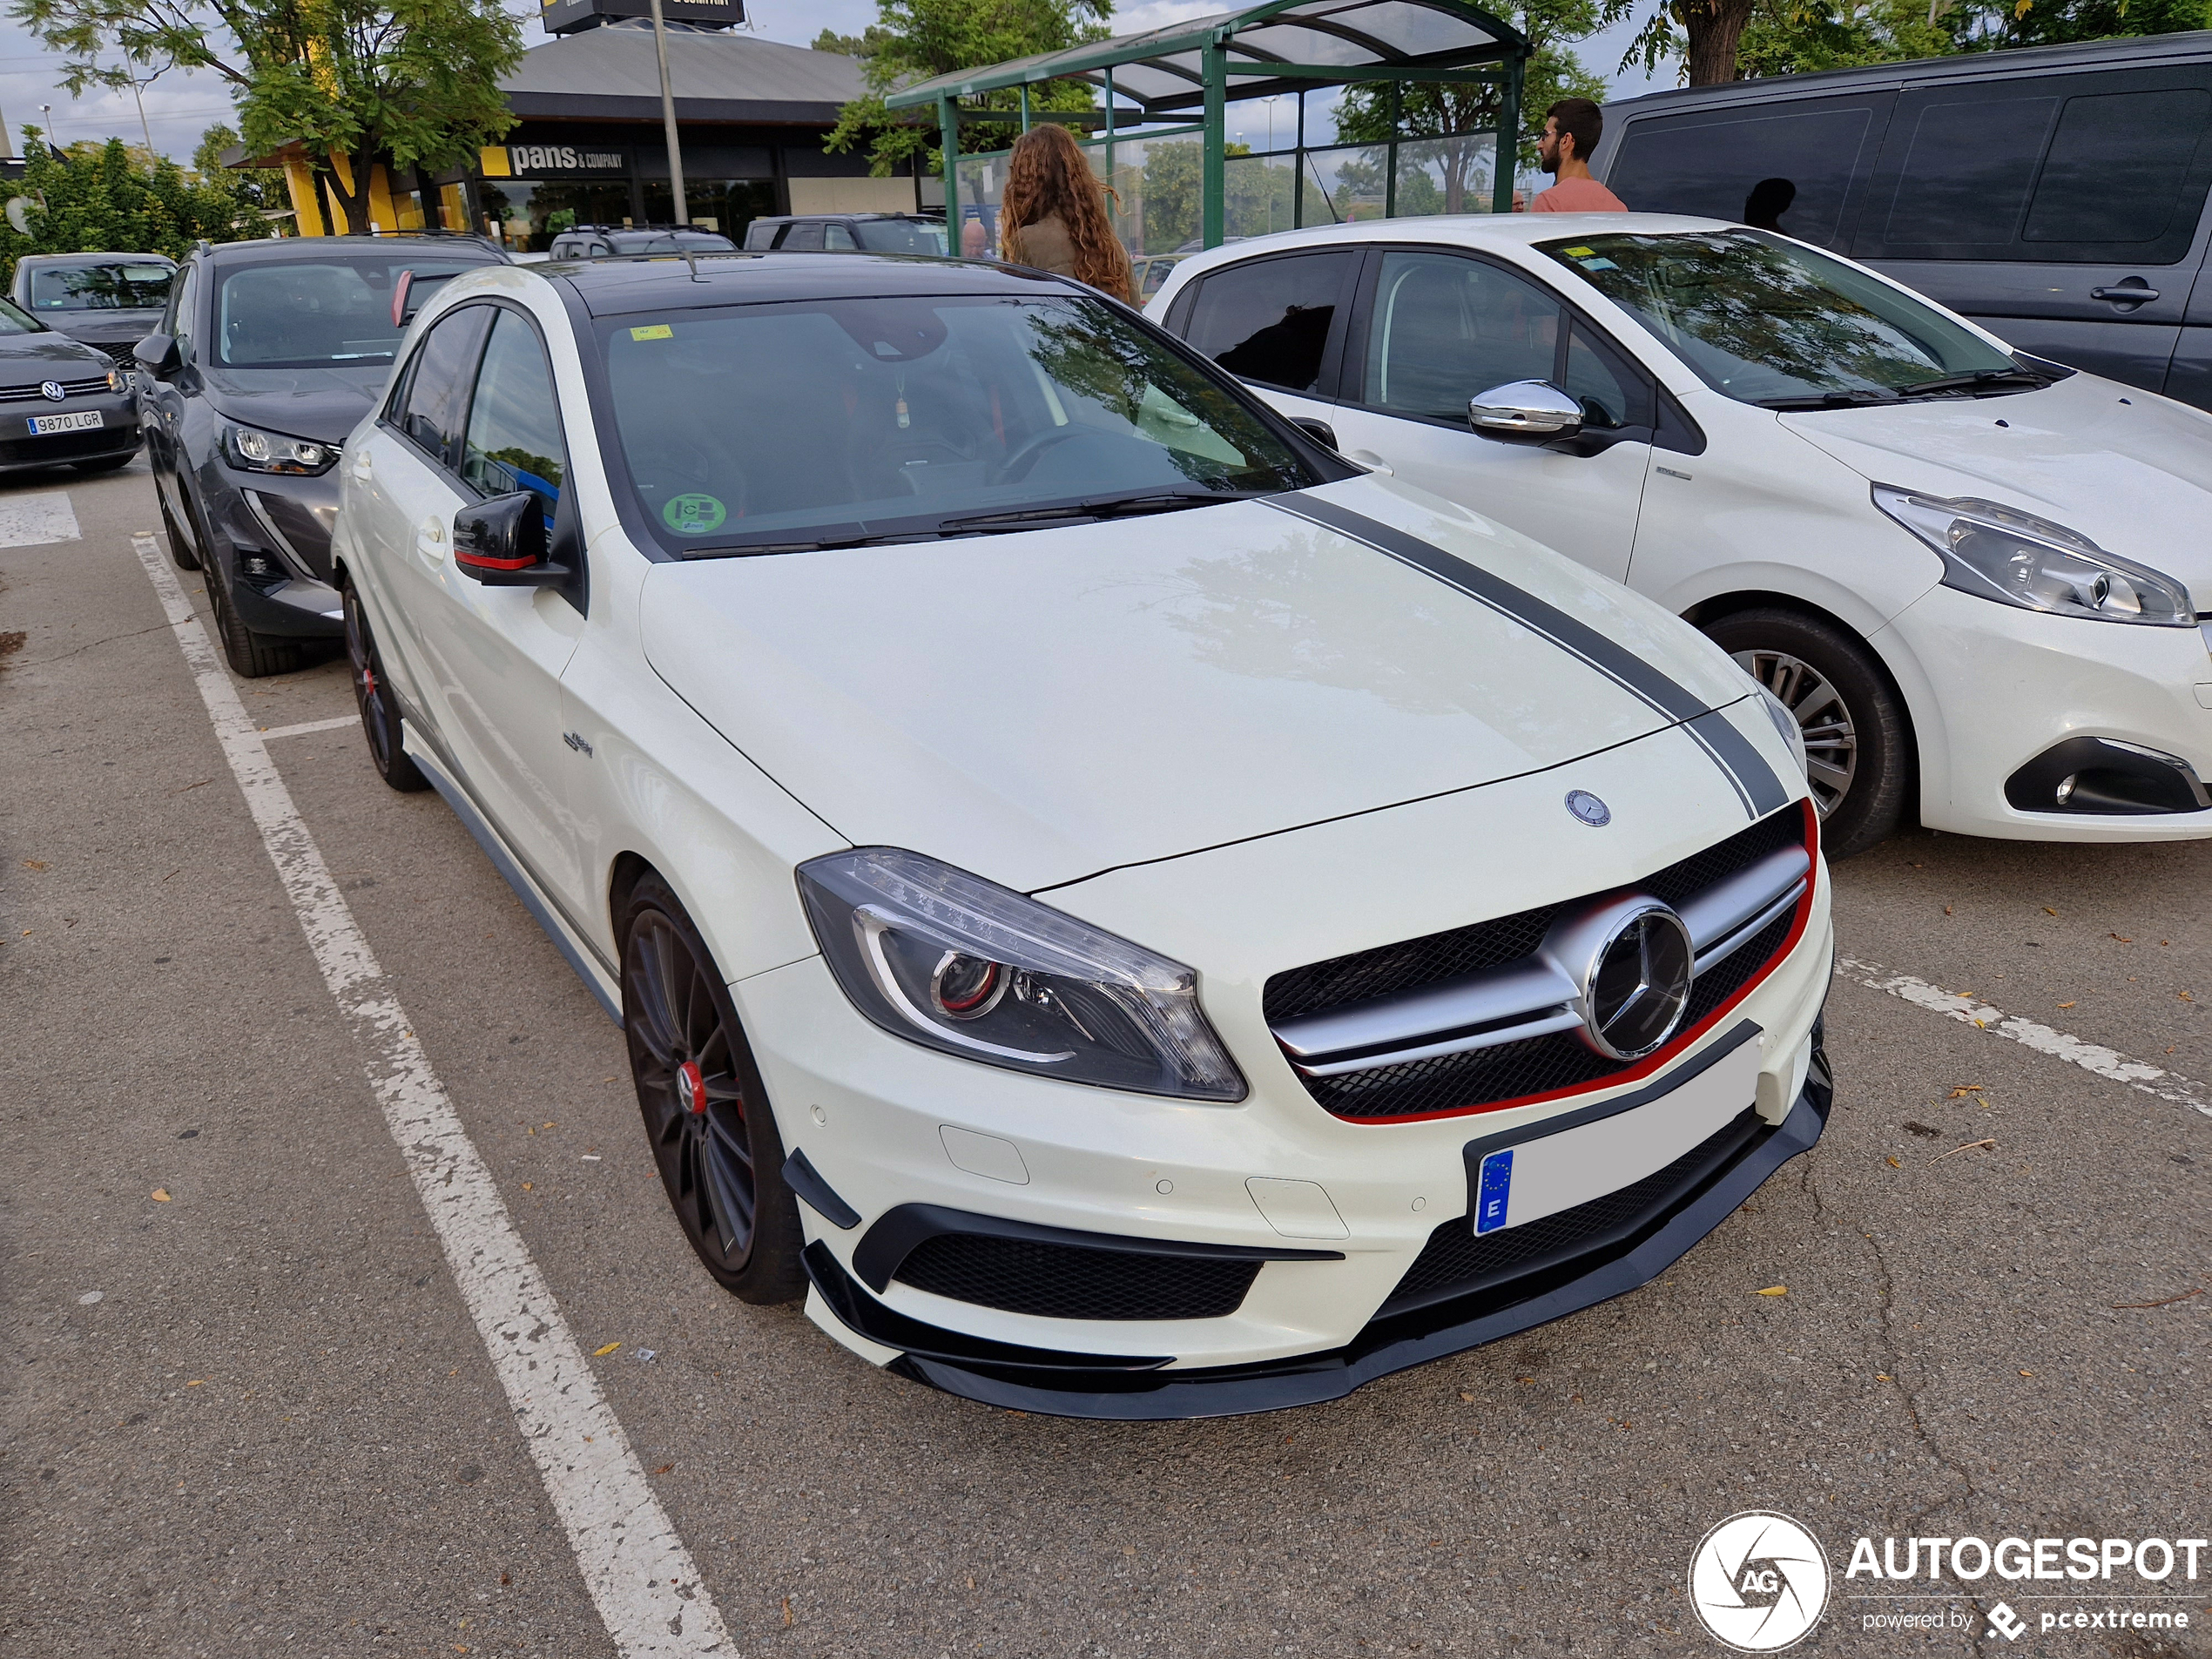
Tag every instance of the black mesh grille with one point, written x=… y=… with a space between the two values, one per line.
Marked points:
x=1455 y=1263
x=1454 y=1082
x=1073 y=1281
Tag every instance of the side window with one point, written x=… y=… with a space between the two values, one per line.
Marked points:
x=1788 y=169
x=2108 y=180
x=513 y=439
x=1444 y=329
x=837 y=240
x=177 y=319
x=1270 y=320
x=805 y=238
x=1614 y=392
x=1967 y=172
x=437 y=388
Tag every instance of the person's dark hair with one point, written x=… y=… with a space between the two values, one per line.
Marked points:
x=1581 y=120
x=1768 y=200
x=1047 y=174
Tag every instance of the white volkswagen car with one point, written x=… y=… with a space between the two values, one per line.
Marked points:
x=1127 y=913
x=1973 y=577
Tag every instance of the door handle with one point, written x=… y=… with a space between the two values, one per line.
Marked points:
x=363 y=468
x=2126 y=293
x=1371 y=461
x=430 y=540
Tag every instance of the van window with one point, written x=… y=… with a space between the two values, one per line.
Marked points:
x=1967 y=173
x=1270 y=320
x=1715 y=163
x=2102 y=182
x=805 y=237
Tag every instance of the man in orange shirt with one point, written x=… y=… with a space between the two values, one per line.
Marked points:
x=1571 y=131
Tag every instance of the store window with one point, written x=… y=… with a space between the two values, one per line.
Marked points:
x=526 y=214
x=726 y=206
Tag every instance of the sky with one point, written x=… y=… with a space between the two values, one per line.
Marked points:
x=178 y=108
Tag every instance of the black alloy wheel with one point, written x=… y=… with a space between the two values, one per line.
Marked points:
x=707 y=1112
x=1859 y=745
x=378 y=709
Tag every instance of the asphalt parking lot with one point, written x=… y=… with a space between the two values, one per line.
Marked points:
x=248 y=1411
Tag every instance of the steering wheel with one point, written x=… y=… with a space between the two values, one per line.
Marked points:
x=1017 y=465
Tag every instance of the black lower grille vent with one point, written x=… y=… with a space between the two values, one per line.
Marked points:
x=1073 y=1282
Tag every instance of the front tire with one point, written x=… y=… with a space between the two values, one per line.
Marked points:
x=706 y=1108
x=379 y=713
x=252 y=655
x=181 y=552
x=1859 y=748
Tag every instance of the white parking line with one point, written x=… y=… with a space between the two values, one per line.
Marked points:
x=641 y=1577
x=305 y=726
x=29 y=520
x=2090 y=1056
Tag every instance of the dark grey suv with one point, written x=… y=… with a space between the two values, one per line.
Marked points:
x=268 y=355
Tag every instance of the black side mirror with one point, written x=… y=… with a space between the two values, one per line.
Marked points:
x=501 y=542
x=1320 y=431
x=159 y=355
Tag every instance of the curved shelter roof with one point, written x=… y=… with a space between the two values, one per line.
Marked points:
x=1279 y=46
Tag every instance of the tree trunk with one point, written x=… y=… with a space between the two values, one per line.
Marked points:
x=1714 y=28
x=353 y=202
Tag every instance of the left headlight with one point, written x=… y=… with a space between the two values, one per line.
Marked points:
x=1786 y=725
x=251 y=449
x=118 y=380
x=962 y=965
x=2001 y=553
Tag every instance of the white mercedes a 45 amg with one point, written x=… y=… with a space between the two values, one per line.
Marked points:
x=1127 y=914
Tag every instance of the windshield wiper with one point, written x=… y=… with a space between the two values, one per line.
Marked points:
x=832 y=543
x=1828 y=400
x=1980 y=379
x=1158 y=500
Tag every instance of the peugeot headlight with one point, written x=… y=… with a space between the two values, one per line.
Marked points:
x=1786 y=724
x=250 y=449
x=961 y=965
x=2002 y=553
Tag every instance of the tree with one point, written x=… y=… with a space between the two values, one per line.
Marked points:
x=414 y=83
x=115 y=198
x=917 y=40
x=2050 y=22
x=255 y=189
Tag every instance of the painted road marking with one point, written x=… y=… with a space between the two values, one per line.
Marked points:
x=641 y=1577
x=305 y=726
x=27 y=521
x=2090 y=1056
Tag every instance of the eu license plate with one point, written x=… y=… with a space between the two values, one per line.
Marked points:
x=83 y=420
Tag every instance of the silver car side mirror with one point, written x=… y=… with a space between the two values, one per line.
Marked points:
x=1524 y=412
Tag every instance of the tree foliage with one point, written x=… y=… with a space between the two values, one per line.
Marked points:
x=115 y=198
x=917 y=40
x=353 y=82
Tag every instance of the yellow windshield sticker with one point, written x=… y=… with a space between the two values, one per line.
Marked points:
x=653 y=331
x=1572 y=252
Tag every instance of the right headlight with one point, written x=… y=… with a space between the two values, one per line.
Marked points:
x=1999 y=552
x=956 y=963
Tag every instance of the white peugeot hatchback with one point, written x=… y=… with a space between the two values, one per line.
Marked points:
x=1130 y=914
x=1972 y=575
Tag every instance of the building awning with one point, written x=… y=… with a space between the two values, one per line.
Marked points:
x=611 y=73
x=1280 y=46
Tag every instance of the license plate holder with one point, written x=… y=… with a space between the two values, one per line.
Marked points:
x=76 y=420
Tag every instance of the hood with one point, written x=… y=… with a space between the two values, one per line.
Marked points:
x=1040 y=706
x=109 y=327
x=322 y=404
x=32 y=357
x=2128 y=468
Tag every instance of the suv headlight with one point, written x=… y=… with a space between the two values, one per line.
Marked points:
x=2001 y=553
x=251 y=449
x=961 y=965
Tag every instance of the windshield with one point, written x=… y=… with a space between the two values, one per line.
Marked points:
x=14 y=322
x=1766 y=321
x=318 y=314
x=100 y=287
x=899 y=236
x=842 y=419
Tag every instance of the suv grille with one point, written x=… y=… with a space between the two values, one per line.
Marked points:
x=1490 y=968
x=1075 y=1282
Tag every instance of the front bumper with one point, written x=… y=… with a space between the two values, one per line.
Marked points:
x=277 y=527
x=118 y=432
x=1993 y=687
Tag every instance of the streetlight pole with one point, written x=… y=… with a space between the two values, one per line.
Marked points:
x=668 y=117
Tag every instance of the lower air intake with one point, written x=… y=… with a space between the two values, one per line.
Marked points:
x=1054 y=1281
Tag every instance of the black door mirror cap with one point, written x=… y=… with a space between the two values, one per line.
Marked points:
x=501 y=542
x=1320 y=431
x=159 y=355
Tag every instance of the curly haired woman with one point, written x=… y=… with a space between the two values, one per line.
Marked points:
x=1053 y=215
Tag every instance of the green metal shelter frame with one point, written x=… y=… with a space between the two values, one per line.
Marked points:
x=1261 y=50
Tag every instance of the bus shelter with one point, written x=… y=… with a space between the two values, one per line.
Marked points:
x=1439 y=115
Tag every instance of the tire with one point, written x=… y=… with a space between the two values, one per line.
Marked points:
x=105 y=463
x=180 y=551
x=380 y=719
x=252 y=655
x=721 y=1164
x=1857 y=744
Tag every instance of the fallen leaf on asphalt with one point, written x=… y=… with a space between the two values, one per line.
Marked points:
x=787 y=1608
x=1894 y=1165
x=1946 y=910
x=2049 y=910
x=2028 y=1373
x=1968 y=1147
x=197 y=1382
x=1465 y=1398
x=34 y=863
x=161 y=1195
x=2065 y=1005
x=2122 y=940
x=1966 y=1089
x=1776 y=1289
x=1884 y=1376
x=2185 y=996
x=601 y=1353
x=527 y=1187
x=663 y=1468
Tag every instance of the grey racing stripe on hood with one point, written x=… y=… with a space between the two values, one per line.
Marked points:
x=1755 y=782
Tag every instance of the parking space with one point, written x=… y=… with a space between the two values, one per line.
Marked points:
x=252 y=1410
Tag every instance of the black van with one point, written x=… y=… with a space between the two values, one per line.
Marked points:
x=2054 y=194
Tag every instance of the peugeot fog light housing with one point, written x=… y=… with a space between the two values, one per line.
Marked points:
x=2001 y=553
x=250 y=449
x=961 y=965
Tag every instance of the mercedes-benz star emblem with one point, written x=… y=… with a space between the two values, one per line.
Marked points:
x=1631 y=963
x=52 y=389
x=1588 y=808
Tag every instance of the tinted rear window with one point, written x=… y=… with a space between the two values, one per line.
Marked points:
x=100 y=287
x=1271 y=320
x=1710 y=164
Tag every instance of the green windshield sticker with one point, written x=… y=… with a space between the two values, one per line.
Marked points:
x=654 y=331
x=694 y=515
